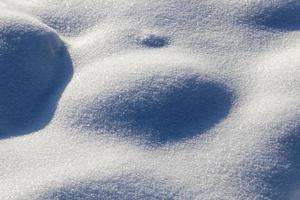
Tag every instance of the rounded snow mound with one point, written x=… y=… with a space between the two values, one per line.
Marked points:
x=282 y=15
x=166 y=107
x=156 y=100
x=33 y=64
x=132 y=186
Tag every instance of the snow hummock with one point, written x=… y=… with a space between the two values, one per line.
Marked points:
x=34 y=62
x=177 y=99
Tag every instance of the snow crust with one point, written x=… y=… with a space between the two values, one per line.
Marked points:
x=160 y=99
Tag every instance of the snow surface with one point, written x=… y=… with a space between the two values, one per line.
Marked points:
x=139 y=99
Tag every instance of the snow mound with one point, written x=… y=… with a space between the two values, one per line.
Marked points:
x=154 y=101
x=162 y=99
x=34 y=64
x=132 y=186
x=282 y=16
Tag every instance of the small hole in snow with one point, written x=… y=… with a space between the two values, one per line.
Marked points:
x=153 y=41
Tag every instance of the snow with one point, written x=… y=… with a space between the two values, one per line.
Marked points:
x=34 y=64
x=162 y=99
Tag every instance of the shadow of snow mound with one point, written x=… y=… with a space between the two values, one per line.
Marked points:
x=34 y=68
x=126 y=188
x=160 y=108
x=279 y=178
x=285 y=17
x=285 y=177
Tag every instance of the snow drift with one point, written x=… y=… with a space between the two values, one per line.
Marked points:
x=162 y=99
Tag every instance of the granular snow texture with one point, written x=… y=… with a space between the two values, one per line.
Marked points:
x=139 y=99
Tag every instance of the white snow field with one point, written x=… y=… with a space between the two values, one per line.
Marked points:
x=149 y=99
